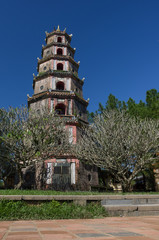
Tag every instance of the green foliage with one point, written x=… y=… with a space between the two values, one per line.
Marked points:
x=11 y=210
x=147 y=109
x=113 y=103
x=90 y=116
x=1 y=184
x=60 y=71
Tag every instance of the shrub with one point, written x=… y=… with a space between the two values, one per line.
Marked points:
x=16 y=210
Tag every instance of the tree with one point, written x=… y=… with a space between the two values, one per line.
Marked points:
x=122 y=144
x=6 y=166
x=147 y=109
x=31 y=137
x=113 y=103
x=152 y=103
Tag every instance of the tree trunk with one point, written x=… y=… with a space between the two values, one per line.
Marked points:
x=126 y=186
x=20 y=178
x=5 y=183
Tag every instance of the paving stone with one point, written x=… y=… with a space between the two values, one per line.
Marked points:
x=53 y=232
x=4 y=229
x=58 y=237
x=100 y=238
x=1 y=235
x=116 y=228
x=49 y=229
x=22 y=238
x=79 y=231
x=21 y=222
x=134 y=238
x=23 y=229
x=23 y=233
x=47 y=225
x=85 y=235
x=118 y=234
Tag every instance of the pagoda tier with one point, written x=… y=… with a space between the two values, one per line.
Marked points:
x=57 y=73
x=56 y=33
x=57 y=83
x=49 y=60
x=69 y=102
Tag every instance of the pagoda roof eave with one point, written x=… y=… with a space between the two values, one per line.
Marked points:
x=55 y=93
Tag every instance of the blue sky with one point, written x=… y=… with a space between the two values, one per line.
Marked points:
x=117 y=43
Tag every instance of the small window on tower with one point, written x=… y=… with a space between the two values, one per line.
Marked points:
x=59 y=51
x=48 y=52
x=60 y=85
x=41 y=87
x=59 y=66
x=45 y=68
x=59 y=39
x=60 y=109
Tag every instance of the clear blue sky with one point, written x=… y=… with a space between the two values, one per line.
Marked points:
x=117 y=43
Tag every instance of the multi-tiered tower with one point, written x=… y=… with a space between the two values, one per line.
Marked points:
x=58 y=86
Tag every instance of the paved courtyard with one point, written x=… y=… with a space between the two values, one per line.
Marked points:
x=117 y=228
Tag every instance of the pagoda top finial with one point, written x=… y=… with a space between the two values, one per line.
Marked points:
x=58 y=29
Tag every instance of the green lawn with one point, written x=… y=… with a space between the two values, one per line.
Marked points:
x=50 y=192
x=12 y=210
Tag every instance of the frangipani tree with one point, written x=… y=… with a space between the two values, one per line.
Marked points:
x=31 y=137
x=122 y=144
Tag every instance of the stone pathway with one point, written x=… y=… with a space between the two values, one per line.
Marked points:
x=112 y=228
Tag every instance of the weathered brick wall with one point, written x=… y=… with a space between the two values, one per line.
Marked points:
x=48 y=51
x=80 y=110
x=39 y=104
x=42 y=85
x=76 y=87
x=87 y=177
x=45 y=66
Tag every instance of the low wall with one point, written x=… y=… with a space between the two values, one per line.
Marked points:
x=106 y=200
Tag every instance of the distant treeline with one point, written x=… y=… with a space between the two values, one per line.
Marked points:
x=147 y=109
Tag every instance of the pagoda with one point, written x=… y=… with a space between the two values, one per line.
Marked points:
x=58 y=87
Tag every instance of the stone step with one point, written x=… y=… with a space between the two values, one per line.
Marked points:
x=133 y=210
x=133 y=201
